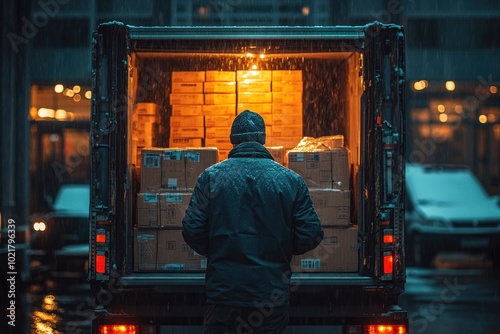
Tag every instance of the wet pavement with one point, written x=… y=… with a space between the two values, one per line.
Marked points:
x=461 y=294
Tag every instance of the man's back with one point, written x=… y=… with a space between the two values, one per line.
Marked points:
x=255 y=206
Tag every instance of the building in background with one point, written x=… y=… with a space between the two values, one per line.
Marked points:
x=453 y=72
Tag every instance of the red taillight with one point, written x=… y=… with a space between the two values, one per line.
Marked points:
x=100 y=265
x=100 y=238
x=385 y=329
x=388 y=239
x=118 y=329
x=388 y=260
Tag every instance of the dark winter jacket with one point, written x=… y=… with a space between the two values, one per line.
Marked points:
x=248 y=214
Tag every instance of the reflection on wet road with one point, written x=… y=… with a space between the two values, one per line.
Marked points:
x=461 y=294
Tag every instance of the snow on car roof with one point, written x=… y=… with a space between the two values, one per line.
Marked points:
x=73 y=198
x=443 y=184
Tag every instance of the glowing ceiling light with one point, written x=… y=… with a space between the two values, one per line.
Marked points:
x=443 y=118
x=493 y=89
x=306 y=10
x=76 y=89
x=88 y=94
x=441 y=108
x=58 y=88
x=483 y=119
x=77 y=98
x=450 y=85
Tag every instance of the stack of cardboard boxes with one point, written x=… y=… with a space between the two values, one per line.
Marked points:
x=145 y=122
x=325 y=169
x=168 y=176
x=204 y=105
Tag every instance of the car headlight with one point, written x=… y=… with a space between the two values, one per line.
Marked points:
x=39 y=226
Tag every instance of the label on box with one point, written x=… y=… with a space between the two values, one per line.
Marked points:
x=151 y=160
x=187 y=87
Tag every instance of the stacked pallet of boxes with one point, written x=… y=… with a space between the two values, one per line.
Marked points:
x=287 y=108
x=219 y=109
x=324 y=165
x=168 y=176
x=187 y=99
x=145 y=121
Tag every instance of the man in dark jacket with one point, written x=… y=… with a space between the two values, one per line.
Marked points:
x=248 y=215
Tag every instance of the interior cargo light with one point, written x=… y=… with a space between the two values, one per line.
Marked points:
x=100 y=238
x=118 y=329
x=386 y=329
x=388 y=260
x=100 y=263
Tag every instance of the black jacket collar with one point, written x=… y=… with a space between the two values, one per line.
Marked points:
x=250 y=149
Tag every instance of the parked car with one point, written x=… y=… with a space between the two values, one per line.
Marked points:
x=60 y=238
x=448 y=210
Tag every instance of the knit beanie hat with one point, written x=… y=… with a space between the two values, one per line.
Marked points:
x=248 y=126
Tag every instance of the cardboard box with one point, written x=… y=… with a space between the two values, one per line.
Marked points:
x=220 y=143
x=188 y=76
x=187 y=121
x=175 y=254
x=145 y=249
x=147 y=108
x=173 y=174
x=333 y=206
x=197 y=160
x=287 y=120
x=218 y=132
x=184 y=142
x=220 y=109
x=187 y=110
x=287 y=108
x=288 y=86
x=151 y=159
x=220 y=87
x=187 y=132
x=172 y=208
x=287 y=97
x=187 y=87
x=186 y=98
x=322 y=169
x=220 y=98
x=256 y=75
x=147 y=210
x=338 y=252
x=255 y=97
x=220 y=76
x=218 y=120
x=314 y=167
x=278 y=153
x=254 y=86
x=287 y=131
x=287 y=75
x=261 y=108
